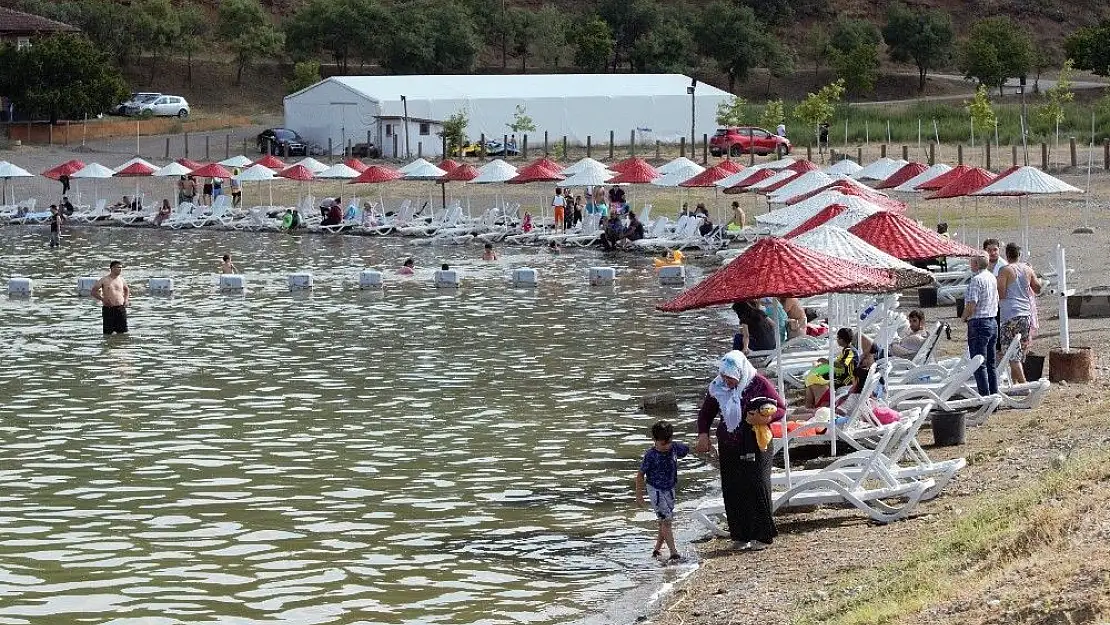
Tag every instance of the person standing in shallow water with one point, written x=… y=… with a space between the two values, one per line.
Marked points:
x=114 y=294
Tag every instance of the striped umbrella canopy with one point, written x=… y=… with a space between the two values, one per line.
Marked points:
x=838 y=242
x=448 y=165
x=971 y=181
x=910 y=186
x=904 y=238
x=756 y=176
x=909 y=170
x=943 y=179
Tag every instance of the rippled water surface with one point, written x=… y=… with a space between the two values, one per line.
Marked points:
x=417 y=456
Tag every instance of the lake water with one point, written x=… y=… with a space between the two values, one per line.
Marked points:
x=416 y=456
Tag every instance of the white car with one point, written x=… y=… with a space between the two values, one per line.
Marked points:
x=136 y=98
x=161 y=106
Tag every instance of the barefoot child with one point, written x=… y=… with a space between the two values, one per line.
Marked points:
x=659 y=469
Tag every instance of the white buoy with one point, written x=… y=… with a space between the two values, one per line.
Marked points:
x=602 y=276
x=672 y=275
x=370 y=279
x=446 y=279
x=20 y=287
x=160 y=286
x=85 y=285
x=232 y=282
x=524 y=277
x=300 y=281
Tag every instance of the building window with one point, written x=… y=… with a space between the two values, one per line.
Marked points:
x=425 y=129
x=389 y=130
x=22 y=43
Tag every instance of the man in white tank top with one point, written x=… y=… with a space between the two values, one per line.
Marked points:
x=1017 y=290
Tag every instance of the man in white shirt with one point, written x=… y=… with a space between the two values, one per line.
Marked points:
x=781 y=130
x=908 y=345
x=994 y=261
x=981 y=316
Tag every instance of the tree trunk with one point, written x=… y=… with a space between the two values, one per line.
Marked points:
x=189 y=67
x=523 y=63
x=239 y=74
x=731 y=82
x=921 y=71
x=504 y=51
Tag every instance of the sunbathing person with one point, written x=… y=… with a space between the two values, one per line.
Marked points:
x=907 y=346
x=843 y=370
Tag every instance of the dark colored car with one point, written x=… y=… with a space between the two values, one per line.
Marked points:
x=277 y=141
x=366 y=150
x=737 y=140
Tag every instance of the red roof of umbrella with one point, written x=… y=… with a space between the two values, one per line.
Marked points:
x=270 y=161
x=191 y=164
x=708 y=177
x=803 y=166
x=67 y=168
x=943 y=179
x=355 y=164
x=215 y=170
x=543 y=170
x=461 y=173
x=908 y=171
x=448 y=165
x=731 y=165
x=375 y=174
x=904 y=238
x=620 y=166
x=779 y=184
x=847 y=188
x=136 y=169
x=1006 y=172
x=972 y=180
x=297 y=172
x=742 y=186
x=825 y=214
x=639 y=172
x=774 y=267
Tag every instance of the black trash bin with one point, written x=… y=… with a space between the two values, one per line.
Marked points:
x=1033 y=367
x=927 y=297
x=949 y=428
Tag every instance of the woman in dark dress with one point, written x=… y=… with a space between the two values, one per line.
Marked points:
x=757 y=330
x=736 y=395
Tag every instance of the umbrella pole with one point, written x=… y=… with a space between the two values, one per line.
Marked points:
x=832 y=379
x=978 y=226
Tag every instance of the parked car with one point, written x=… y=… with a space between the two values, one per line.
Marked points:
x=737 y=140
x=493 y=148
x=160 y=106
x=366 y=150
x=277 y=141
x=134 y=99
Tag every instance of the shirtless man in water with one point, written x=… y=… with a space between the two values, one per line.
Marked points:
x=112 y=291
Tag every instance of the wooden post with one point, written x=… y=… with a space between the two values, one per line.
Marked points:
x=285 y=151
x=682 y=146
x=395 y=147
x=186 y=145
x=632 y=142
x=50 y=134
x=859 y=155
x=1106 y=153
x=960 y=154
x=905 y=152
x=168 y=148
x=504 y=146
x=988 y=154
x=1044 y=156
x=1013 y=154
x=882 y=150
x=751 y=146
x=167 y=156
x=589 y=146
x=227 y=146
x=705 y=149
x=610 y=145
x=565 y=153
x=545 y=143
x=658 y=149
x=350 y=149
x=482 y=146
x=1075 y=365
x=932 y=153
x=1074 y=155
x=207 y=149
x=524 y=147
x=809 y=153
x=778 y=151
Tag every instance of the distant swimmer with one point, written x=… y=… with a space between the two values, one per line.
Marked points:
x=112 y=291
x=407 y=268
x=227 y=266
x=489 y=253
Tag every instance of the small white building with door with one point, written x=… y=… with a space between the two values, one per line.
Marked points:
x=379 y=109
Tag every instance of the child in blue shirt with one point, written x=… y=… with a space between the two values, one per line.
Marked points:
x=659 y=469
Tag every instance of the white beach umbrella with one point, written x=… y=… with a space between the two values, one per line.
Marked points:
x=679 y=175
x=589 y=177
x=880 y=170
x=789 y=217
x=845 y=166
x=785 y=174
x=311 y=165
x=338 y=170
x=1025 y=181
x=738 y=177
x=7 y=172
x=96 y=171
x=417 y=164
x=802 y=184
x=495 y=171
x=236 y=161
x=782 y=163
x=423 y=170
x=677 y=164
x=923 y=177
x=173 y=169
x=582 y=164
x=258 y=173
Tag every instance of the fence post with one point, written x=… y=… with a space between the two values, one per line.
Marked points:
x=167 y=157
x=658 y=149
x=778 y=151
x=632 y=142
x=932 y=153
x=705 y=149
x=545 y=152
x=859 y=155
x=1074 y=156
x=482 y=146
x=1106 y=153
x=50 y=134
x=504 y=146
x=330 y=147
x=1044 y=156
x=988 y=153
x=285 y=151
x=960 y=154
x=589 y=146
x=186 y=145
x=610 y=145
x=524 y=147
x=809 y=153
x=682 y=146
x=207 y=151
x=244 y=147
x=565 y=154
x=227 y=146
x=905 y=152
x=1013 y=154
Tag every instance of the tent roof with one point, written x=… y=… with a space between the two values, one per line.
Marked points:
x=909 y=170
x=376 y=174
x=639 y=172
x=339 y=170
x=255 y=173
x=844 y=166
x=904 y=238
x=910 y=186
x=465 y=172
x=514 y=86
x=673 y=165
x=495 y=171
x=1024 y=181
x=297 y=172
x=880 y=169
x=774 y=267
x=972 y=180
x=838 y=242
x=943 y=179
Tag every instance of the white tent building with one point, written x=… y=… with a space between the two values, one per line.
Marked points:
x=391 y=111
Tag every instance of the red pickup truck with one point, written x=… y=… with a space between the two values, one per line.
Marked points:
x=737 y=140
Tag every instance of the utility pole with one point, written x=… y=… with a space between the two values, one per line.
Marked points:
x=405 y=103
x=693 y=110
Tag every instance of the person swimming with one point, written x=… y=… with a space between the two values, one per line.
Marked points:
x=407 y=269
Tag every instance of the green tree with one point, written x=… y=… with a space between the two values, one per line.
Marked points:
x=774 y=114
x=924 y=38
x=733 y=112
x=820 y=106
x=775 y=12
x=780 y=62
x=61 y=76
x=341 y=28
x=195 y=33
x=1050 y=114
x=996 y=49
x=733 y=37
x=550 y=35
x=981 y=111
x=157 y=27
x=594 y=45
x=854 y=53
x=454 y=130
x=628 y=20
x=522 y=29
x=815 y=48
x=667 y=49
x=250 y=35
x=305 y=74
x=430 y=37
x=521 y=121
x=1089 y=48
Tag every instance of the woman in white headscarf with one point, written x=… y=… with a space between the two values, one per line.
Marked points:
x=736 y=395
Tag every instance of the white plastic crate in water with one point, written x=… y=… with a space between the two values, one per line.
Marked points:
x=20 y=287
x=160 y=286
x=602 y=276
x=300 y=281
x=524 y=277
x=232 y=282
x=672 y=275
x=370 y=279
x=85 y=285
x=446 y=279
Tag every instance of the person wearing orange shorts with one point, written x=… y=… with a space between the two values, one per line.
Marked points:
x=559 y=204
